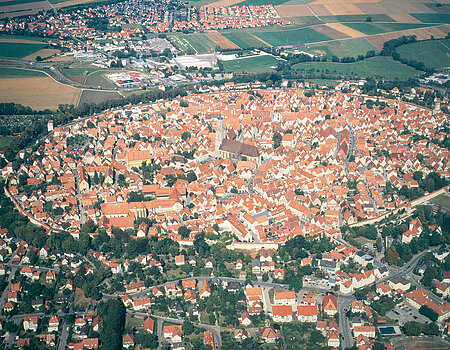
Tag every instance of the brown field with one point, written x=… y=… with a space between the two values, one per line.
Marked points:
x=330 y=32
x=404 y=18
x=20 y=41
x=43 y=53
x=332 y=2
x=319 y=10
x=344 y=9
x=222 y=41
x=72 y=3
x=293 y=10
x=23 y=9
x=77 y=78
x=60 y=59
x=37 y=92
x=439 y=31
x=224 y=3
x=346 y=30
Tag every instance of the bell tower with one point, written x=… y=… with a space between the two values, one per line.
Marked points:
x=220 y=135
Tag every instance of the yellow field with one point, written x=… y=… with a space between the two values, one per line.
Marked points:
x=344 y=9
x=37 y=92
x=222 y=41
x=404 y=18
x=43 y=53
x=333 y=2
x=346 y=30
x=224 y=3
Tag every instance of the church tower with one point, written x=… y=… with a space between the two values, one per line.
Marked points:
x=220 y=135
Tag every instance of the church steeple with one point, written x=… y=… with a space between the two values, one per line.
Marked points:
x=220 y=135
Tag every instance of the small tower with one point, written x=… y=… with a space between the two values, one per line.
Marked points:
x=437 y=106
x=50 y=126
x=220 y=135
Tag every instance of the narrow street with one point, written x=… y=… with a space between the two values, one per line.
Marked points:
x=79 y=198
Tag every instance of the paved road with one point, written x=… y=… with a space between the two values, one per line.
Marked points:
x=345 y=330
x=4 y=296
x=160 y=319
x=63 y=337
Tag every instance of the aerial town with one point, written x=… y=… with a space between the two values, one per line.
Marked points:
x=247 y=218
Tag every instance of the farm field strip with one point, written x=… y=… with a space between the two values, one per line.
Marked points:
x=377 y=66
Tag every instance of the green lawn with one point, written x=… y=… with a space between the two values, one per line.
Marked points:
x=23 y=37
x=432 y=17
x=291 y=37
x=17 y=73
x=251 y=64
x=433 y=53
x=244 y=39
x=19 y=50
x=378 y=66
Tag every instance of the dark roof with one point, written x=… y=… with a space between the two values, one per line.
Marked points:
x=238 y=147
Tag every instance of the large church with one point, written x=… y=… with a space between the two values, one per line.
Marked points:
x=232 y=148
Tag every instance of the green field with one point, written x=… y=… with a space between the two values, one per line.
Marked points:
x=432 y=17
x=16 y=2
x=252 y=64
x=19 y=50
x=193 y=43
x=244 y=40
x=442 y=200
x=433 y=53
x=19 y=73
x=366 y=28
x=5 y=141
x=291 y=37
x=394 y=27
x=379 y=66
x=358 y=46
x=332 y=48
x=21 y=37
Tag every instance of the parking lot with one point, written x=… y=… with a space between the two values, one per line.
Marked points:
x=404 y=312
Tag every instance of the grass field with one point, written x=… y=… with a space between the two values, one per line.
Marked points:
x=19 y=50
x=198 y=43
x=89 y=96
x=244 y=39
x=394 y=27
x=358 y=46
x=16 y=2
x=252 y=64
x=5 y=141
x=291 y=37
x=17 y=73
x=432 y=17
x=443 y=200
x=420 y=344
x=366 y=28
x=384 y=67
x=332 y=48
x=20 y=37
x=433 y=53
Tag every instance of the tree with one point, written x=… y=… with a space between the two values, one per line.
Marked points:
x=265 y=277
x=191 y=177
x=412 y=328
x=429 y=275
x=188 y=327
x=185 y=135
x=184 y=231
x=428 y=312
x=38 y=58
x=276 y=139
